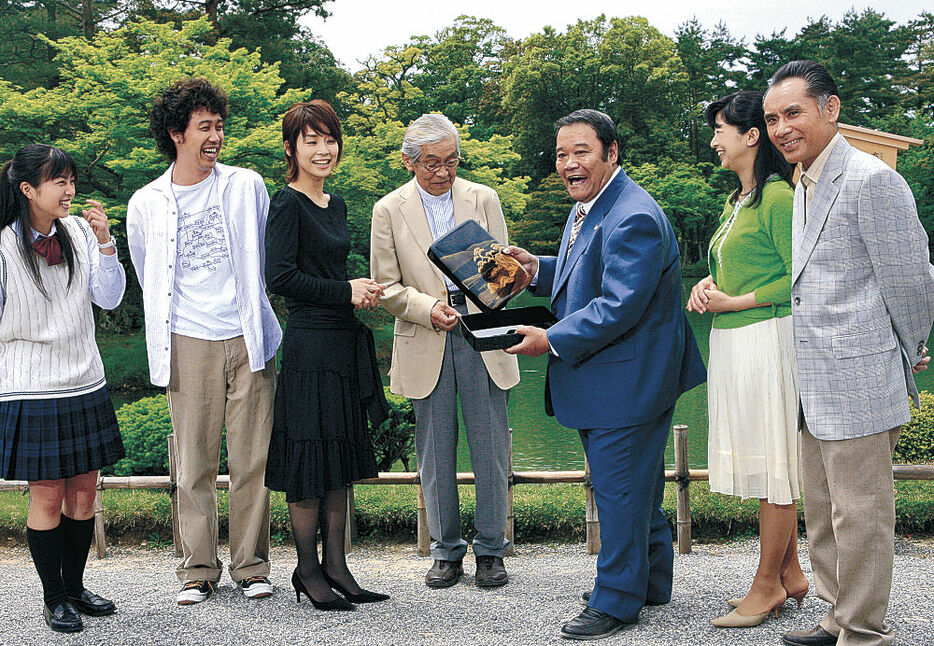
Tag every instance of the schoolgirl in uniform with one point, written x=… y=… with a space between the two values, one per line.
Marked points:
x=57 y=423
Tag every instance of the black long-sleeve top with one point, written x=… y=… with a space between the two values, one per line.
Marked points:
x=306 y=259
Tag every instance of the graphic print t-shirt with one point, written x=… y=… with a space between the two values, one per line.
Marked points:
x=205 y=295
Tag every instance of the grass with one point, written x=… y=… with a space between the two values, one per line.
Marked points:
x=388 y=513
x=124 y=357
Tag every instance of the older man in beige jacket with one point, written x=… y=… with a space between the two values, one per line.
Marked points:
x=431 y=362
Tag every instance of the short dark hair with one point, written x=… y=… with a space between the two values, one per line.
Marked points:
x=172 y=110
x=316 y=115
x=820 y=85
x=599 y=121
x=743 y=110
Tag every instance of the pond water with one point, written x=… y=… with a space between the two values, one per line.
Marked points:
x=541 y=444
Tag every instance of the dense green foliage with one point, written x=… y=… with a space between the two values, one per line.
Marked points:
x=916 y=443
x=394 y=439
x=83 y=75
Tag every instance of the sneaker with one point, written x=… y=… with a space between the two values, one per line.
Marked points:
x=195 y=592
x=255 y=587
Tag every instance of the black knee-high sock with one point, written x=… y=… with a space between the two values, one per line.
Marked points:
x=45 y=545
x=76 y=541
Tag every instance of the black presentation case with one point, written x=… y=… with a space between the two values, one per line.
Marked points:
x=474 y=261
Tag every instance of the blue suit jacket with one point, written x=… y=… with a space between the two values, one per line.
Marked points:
x=626 y=350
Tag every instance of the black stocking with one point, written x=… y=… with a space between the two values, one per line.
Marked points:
x=333 y=519
x=304 y=516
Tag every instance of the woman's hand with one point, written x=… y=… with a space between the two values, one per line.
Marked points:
x=365 y=293
x=718 y=301
x=697 y=301
x=96 y=217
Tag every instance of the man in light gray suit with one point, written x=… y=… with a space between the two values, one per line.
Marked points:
x=862 y=306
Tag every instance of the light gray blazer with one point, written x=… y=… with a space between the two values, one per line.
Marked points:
x=862 y=296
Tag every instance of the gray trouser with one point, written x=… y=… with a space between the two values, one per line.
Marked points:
x=483 y=405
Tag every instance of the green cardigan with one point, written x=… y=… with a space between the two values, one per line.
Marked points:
x=754 y=255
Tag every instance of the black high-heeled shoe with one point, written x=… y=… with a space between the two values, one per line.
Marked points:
x=335 y=604
x=364 y=596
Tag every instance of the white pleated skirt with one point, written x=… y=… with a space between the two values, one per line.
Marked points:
x=752 y=398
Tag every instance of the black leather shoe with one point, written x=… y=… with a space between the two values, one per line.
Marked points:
x=591 y=624
x=813 y=637
x=444 y=574
x=585 y=597
x=62 y=618
x=491 y=572
x=91 y=604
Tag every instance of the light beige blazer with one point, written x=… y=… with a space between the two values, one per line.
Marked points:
x=399 y=241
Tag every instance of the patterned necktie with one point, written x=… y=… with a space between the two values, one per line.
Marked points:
x=576 y=227
x=49 y=248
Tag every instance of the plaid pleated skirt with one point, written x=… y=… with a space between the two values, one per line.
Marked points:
x=51 y=439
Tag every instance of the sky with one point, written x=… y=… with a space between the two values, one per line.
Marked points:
x=359 y=28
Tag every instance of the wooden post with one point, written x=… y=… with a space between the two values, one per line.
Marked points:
x=593 y=518
x=100 y=539
x=510 y=518
x=350 y=527
x=173 y=494
x=424 y=538
x=682 y=477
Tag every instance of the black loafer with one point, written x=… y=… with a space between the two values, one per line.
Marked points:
x=592 y=624
x=444 y=574
x=91 y=604
x=813 y=637
x=62 y=618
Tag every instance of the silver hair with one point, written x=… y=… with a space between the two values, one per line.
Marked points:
x=428 y=129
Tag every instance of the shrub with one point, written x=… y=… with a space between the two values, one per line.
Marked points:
x=394 y=439
x=145 y=425
x=916 y=444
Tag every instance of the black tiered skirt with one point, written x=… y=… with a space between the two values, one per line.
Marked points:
x=327 y=388
x=52 y=439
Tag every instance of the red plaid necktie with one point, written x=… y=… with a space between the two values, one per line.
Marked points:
x=49 y=248
x=576 y=227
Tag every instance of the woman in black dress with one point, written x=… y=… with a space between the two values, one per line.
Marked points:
x=329 y=383
x=57 y=423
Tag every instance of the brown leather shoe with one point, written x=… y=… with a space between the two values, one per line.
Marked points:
x=444 y=574
x=491 y=572
x=814 y=637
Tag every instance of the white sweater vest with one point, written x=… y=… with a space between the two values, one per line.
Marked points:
x=47 y=346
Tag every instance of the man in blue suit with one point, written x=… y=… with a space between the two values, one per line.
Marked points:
x=621 y=353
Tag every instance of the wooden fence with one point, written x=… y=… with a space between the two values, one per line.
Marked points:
x=681 y=475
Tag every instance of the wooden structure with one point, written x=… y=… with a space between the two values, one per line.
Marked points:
x=883 y=145
x=681 y=474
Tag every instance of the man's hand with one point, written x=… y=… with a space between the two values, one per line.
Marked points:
x=528 y=261
x=923 y=364
x=443 y=316
x=697 y=301
x=534 y=344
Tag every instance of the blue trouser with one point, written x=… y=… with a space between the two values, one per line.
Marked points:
x=636 y=560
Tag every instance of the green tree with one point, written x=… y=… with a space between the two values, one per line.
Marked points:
x=712 y=63
x=622 y=66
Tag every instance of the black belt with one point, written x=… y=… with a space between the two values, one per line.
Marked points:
x=456 y=298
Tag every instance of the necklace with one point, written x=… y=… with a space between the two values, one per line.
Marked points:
x=745 y=193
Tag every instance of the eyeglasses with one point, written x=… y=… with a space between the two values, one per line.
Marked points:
x=435 y=166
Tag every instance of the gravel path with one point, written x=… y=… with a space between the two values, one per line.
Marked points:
x=545 y=582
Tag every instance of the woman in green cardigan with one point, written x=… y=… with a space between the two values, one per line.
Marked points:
x=752 y=392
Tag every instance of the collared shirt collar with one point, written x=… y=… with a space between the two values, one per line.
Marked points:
x=811 y=176
x=589 y=205
x=35 y=234
x=428 y=198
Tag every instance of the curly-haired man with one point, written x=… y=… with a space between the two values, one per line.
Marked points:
x=196 y=240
